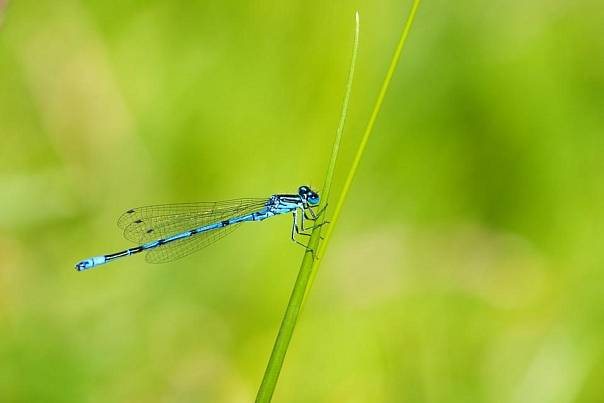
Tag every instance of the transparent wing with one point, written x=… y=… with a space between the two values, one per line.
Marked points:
x=145 y=224
x=183 y=247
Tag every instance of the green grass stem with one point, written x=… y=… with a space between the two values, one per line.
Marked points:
x=316 y=248
x=361 y=149
x=275 y=363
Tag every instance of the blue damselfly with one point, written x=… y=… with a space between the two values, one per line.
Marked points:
x=172 y=231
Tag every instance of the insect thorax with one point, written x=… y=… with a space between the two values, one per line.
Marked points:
x=279 y=204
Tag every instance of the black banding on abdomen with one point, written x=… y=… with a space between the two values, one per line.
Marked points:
x=123 y=253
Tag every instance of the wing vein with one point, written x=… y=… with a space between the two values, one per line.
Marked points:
x=149 y=223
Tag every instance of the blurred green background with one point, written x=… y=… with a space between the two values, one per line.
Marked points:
x=468 y=262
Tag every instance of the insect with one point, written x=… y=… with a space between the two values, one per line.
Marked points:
x=172 y=231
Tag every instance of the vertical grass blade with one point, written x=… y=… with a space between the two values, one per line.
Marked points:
x=310 y=261
x=325 y=192
x=366 y=134
x=290 y=318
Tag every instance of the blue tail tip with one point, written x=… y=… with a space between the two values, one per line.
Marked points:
x=84 y=265
x=90 y=263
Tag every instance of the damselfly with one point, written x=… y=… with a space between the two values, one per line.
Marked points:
x=172 y=231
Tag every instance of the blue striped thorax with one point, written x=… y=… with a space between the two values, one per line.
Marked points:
x=285 y=203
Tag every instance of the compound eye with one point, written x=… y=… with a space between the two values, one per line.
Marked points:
x=303 y=190
x=313 y=198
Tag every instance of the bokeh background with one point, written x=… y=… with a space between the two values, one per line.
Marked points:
x=468 y=262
